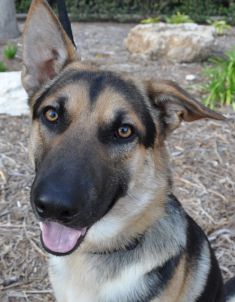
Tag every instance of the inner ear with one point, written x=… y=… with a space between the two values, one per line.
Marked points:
x=46 y=47
x=174 y=104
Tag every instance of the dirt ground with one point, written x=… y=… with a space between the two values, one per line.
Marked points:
x=203 y=167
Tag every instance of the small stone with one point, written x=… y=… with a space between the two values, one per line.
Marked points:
x=190 y=77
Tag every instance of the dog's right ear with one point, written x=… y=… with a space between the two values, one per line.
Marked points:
x=175 y=105
x=46 y=47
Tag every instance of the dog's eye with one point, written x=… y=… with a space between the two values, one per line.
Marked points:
x=51 y=115
x=124 y=131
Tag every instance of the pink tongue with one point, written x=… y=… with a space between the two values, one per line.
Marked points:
x=59 y=238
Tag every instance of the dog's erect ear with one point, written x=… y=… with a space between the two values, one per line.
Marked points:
x=175 y=105
x=46 y=47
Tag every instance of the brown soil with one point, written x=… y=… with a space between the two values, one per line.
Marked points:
x=203 y=167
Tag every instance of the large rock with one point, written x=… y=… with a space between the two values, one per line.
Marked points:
x=13 y=98
x=187 y=42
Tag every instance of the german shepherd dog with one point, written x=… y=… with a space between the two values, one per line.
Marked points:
x=103 y=189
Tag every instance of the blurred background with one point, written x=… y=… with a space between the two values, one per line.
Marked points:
x=135 y=10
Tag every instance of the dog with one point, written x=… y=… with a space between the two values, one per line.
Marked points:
x=103 y=188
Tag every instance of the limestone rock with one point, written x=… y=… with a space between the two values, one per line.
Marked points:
x=13 y=98
x=180 y=43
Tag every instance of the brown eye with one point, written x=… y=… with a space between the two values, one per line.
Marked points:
x=51 y=115
x=125 y=131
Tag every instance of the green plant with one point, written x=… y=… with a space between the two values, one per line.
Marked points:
x=221 y=86
x=151 y=20
x=10 y=51
x=198 y=10
x=178 y=18
x=220 y=26
x=22 y=6
x=2 y=67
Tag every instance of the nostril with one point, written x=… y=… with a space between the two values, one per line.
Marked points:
x=47 y=206
x=66 y=214
x=41 y=208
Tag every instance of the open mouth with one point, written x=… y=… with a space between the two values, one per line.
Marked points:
x=60 y=240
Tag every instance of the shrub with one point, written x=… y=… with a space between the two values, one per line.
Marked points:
x=151 y=20
x=10 y=51
x=221 y=86
x=2 y=67
x=22 y=6
x=220 y=26
x=198 y=10
x=178 y=18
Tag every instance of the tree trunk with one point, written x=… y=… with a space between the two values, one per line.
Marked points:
x=8 y=25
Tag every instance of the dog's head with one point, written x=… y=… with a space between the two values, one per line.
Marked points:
x=97 y=141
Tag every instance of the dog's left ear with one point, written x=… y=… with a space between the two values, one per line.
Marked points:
x=46 y=47
x=175 y=105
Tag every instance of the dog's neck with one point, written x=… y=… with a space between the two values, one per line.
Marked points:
x=163 y=220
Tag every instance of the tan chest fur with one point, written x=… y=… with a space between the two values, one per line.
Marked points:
x=80 y=280
x=72 y=281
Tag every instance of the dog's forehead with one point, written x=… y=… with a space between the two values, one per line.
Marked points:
x=96 y=82
x=101 y=91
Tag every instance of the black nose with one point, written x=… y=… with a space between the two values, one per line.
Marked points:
x=53 y=206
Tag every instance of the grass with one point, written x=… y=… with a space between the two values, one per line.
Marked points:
x=10 y=51
x=2 y=67
x=220 y=26
x=221 y=86
x=178 y=18
x=151 y=20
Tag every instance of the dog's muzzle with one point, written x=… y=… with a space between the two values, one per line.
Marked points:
x=69 y=196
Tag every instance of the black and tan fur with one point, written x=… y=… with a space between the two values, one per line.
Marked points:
x=140 y=245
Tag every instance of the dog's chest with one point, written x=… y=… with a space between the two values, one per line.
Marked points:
x=80 y=281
